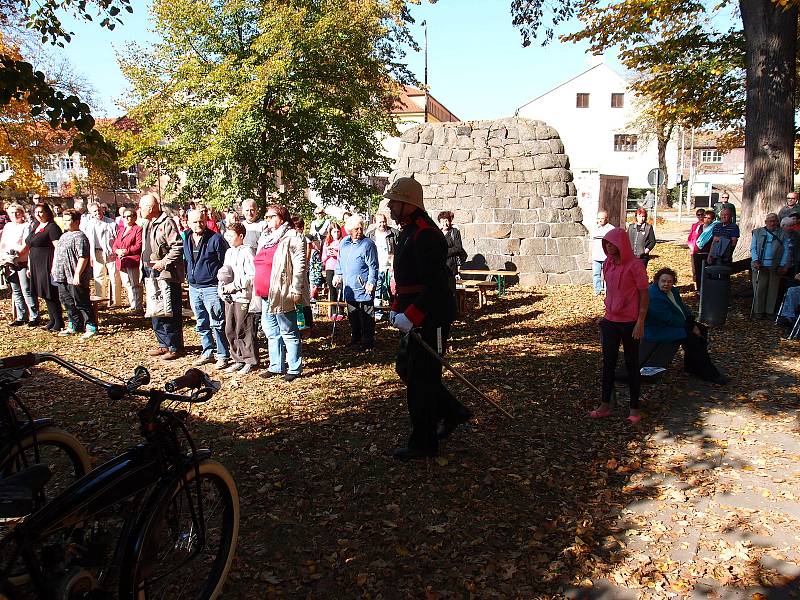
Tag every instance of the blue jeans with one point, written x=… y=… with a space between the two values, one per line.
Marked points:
x=597 y=279
x=26 y=305
x=169 y=330
x=283 y=340
x=210 y=314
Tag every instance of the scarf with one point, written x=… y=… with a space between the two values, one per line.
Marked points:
x=706 y=234
x=273 y=237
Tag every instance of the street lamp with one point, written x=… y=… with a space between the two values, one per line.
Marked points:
x=425 y=76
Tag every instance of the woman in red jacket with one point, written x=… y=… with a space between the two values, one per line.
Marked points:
x=128 y=248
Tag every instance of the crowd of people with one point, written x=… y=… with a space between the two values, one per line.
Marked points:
x=243 y=272
x=774 y=256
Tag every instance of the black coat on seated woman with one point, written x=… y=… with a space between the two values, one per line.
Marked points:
x=669 y=320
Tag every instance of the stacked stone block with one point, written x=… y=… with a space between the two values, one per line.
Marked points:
x=509 y=185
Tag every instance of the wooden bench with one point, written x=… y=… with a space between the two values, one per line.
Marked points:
x=651 y=354
x=330 y=304
x=96 y=302
x=477 y=287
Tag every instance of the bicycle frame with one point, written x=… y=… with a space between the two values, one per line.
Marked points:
x=147 y=474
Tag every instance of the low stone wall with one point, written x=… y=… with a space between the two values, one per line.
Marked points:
x=509 y=185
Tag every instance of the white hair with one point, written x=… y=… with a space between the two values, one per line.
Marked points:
x=247 y=201
x=787 y=221
x=354 y=221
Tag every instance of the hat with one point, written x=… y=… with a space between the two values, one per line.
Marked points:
x=225 y=274
x=406 y=189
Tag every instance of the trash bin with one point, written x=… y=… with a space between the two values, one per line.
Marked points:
x=715 y=292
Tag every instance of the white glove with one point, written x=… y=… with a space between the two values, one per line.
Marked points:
x=402 y=322
x=337 y=281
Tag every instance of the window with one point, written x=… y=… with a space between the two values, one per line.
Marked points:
x=617 y=100
x=710 y=156
x=51 y=162
x=52 y=188
x=4 y=164
x=582 y=100
x=129 y=178
x=65 y=163
x=625 y=142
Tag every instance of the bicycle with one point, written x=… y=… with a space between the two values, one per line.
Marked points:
x=160 y=520
x=25 y=441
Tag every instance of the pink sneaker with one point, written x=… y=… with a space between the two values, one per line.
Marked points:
x=634 y=419
x=600 y=413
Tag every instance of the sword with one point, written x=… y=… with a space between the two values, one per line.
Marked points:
x=418 y=338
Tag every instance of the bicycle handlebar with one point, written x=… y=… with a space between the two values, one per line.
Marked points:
x=193 y=378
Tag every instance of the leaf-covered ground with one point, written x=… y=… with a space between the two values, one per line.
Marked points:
x=700 y=499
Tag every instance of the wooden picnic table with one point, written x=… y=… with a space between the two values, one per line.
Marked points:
x=499 y=274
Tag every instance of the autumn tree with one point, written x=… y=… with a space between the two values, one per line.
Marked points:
x=765 y=48
x=20 y=81
x=263 y=98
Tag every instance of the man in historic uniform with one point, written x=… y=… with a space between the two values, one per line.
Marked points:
x=425 y=304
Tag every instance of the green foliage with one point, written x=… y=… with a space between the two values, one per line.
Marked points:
x=264 y=98
x=691 y=73
x=19 y=81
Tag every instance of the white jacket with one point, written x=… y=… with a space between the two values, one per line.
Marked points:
x=289 y=273
x=240 y=260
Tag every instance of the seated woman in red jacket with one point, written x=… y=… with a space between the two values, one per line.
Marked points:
x=128 y=248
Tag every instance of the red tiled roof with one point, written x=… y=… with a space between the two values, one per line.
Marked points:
x=405 y=105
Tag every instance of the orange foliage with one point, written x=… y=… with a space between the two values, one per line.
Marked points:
x=26 y=141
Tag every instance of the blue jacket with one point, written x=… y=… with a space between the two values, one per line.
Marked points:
x=203 y=273
x=357 y=266
x=780 y=248
x=664 y=322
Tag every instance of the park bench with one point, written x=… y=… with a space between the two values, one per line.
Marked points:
x=652 y=355
x=472 y=287
x=321 y=305
x=97 y=302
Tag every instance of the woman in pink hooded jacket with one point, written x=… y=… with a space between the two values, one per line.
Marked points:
x=626 y=309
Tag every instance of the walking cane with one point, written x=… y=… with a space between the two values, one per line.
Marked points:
x=755 y=292
x=336 y=308
x=418 y=338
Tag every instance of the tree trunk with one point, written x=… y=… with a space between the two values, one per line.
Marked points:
x=770 y=60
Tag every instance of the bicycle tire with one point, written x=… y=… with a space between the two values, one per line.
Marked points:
x=168 y=537
x=51 y=438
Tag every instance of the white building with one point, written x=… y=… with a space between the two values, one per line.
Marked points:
x=594 y=114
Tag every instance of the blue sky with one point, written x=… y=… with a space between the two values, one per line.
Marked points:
x=477 y=66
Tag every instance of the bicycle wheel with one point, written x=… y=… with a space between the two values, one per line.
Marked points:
x=171 y=564
x=60 y=451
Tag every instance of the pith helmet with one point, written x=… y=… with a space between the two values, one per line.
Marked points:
x=406 y=189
